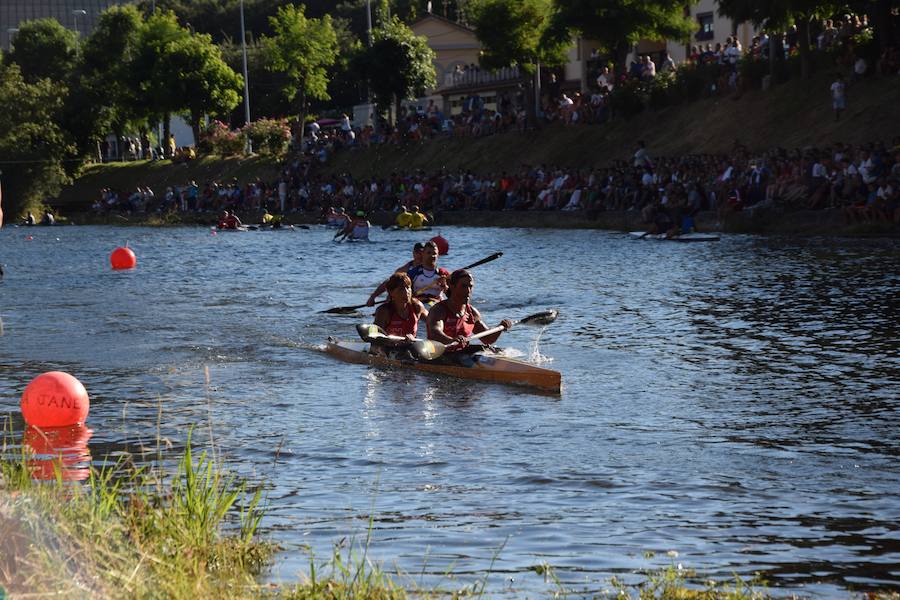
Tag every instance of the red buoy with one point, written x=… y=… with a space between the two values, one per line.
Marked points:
x=442 y=244
x=123 y=258
x=55 y=399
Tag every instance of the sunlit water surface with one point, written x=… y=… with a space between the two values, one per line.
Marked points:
x=736 y=402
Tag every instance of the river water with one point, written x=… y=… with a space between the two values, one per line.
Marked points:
x=735 y=402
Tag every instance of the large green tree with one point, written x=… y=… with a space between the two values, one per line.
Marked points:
x=303 y=50
x=31 y=142
x=399 y=65
x=44 y=49
x=521 y=33
x=619 y=24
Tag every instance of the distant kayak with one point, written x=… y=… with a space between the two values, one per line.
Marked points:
x=398 y=228
x=684 y=237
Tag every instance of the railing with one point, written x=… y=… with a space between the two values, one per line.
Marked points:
x=472 y=77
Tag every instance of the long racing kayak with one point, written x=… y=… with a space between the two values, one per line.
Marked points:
x=684 y=237
x=482 y=367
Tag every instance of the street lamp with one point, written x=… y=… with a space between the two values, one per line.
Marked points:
x=246 y=80
x=9 y=34
x=75 y=14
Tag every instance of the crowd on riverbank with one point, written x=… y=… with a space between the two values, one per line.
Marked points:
x=862 y=180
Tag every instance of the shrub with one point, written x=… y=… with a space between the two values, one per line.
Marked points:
x=269 y=136
x=627 y=98
x=219 y=139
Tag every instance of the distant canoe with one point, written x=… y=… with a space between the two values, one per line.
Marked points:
x=684 y=237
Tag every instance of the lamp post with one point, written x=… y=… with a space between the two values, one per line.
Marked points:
x=246 y=80
x=75 y=14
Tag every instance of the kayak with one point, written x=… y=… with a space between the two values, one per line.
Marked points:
x=479 y=366
x=398 y=228
x=684 y=237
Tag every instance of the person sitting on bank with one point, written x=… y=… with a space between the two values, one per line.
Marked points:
x=415 y=262
x=453 y=320
x=229 y=220
x=401 y=314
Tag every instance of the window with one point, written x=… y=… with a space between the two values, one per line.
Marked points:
x=705 y=20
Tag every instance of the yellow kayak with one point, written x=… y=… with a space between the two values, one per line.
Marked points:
x=479 y=366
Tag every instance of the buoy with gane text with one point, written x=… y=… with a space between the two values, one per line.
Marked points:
x=123 y=258
x=442 y=244
x=55 y=399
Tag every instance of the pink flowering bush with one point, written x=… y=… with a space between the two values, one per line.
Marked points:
x=269 y=136
x=219 y=139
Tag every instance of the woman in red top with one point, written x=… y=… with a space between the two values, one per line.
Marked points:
x=454 y=319
x=400 y=315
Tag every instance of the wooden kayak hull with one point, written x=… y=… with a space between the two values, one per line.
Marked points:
x=482 y=367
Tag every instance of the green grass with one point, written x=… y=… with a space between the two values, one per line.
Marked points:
x=130 y=531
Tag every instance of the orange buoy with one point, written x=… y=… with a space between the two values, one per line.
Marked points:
x=55 y=399
x=442 y=244
x=123 y=258
x=62 y=450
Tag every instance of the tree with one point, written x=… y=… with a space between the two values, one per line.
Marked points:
x=522 y=33
x=619 y=24
x=44 y=49
x=204 y=82
x=302 y=50
x=399 y=65
x=30 y=137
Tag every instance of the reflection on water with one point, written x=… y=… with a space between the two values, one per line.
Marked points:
x=734 y=401
x=58 y=453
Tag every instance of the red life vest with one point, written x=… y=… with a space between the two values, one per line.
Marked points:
x=403 y=327
x=460 y=325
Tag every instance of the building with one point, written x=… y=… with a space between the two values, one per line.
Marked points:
x=77 y=15
x=711 y=28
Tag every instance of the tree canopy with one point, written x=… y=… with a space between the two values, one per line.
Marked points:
x=518 y=32
x=44 y=49
x=303 y=50
x=399 y=65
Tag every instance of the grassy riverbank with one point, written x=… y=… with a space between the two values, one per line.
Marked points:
x=136 y=532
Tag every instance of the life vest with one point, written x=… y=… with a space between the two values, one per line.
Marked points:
x=403 y=219
x=403 y=327
x=459 y=325
x=416 y=220
x=424 y=280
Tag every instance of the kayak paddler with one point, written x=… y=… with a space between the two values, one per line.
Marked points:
x=417 y=220
x=403 y=218
x=453 y=320
x=416 y=260
x=229 y=220
x=400 y=315
x=429 y=281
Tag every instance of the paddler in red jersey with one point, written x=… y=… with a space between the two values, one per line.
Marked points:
x=400 y=316
x=229 y=220
x=453 y=320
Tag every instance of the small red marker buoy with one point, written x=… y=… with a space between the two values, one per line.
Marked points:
x=123 y=258
x=442 y=244
x=55 y=399
x=28 y=237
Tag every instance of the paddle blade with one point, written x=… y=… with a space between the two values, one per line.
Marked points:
x=427 y=349
x=368 y=331
x=341 y=310
x=544 y=317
